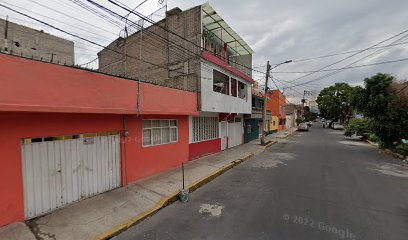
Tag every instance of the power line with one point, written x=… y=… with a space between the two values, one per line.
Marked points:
x=357 y=66
x=53 y=38
x=80 y=20
x=77 y=36
x=62 y=22
x=348 y=57
x=135 y=23
x=154 y=35
x=344 y=68
x=173 y=33
x=99 y=14
x=403 y=88
x=340 y=53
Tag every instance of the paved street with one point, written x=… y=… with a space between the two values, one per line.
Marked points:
x=313 y=185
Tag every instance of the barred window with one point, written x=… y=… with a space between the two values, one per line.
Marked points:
x=205 y=128
x=157 y=132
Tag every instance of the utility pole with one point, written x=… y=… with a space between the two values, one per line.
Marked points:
x=303 y=104
x=305 y=92
x=268 y=69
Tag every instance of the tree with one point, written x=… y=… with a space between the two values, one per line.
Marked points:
x=309 y=116
x=334 y=102
x=383 y=105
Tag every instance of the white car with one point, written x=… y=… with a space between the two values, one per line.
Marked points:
x=338 y=126
x=303 y=127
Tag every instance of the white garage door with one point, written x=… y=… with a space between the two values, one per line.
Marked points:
x=58 y=171
x=235 y=131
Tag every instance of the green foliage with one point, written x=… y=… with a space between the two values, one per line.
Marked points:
x=334 y=102
x=388 y=121
x=373 y=138
x=309 y=116
x=298 y=121
x=402 y=149
x=360 y=127
x=374 y=99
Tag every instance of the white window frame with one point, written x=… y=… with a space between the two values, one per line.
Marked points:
x=161 y=132
x=204 y=129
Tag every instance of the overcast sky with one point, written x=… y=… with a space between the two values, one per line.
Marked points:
x=277 y=30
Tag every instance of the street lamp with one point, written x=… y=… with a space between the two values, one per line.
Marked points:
x=288 y=61
x=268 y=69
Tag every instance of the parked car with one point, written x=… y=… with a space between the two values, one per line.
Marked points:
x=338 y=126
x=303 y=127
x=328 y=123
x=309 y=124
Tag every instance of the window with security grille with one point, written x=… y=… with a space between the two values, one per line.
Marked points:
x=157 y=132
x=204 y=128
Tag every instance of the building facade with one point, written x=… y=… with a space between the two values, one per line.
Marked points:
x=276 y=103
x=31 y=43
x=193 y=50
x=253 y=123
x=69 y=134
x=293 y=112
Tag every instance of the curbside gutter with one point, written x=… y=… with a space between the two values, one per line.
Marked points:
x=174 y=196
x=394 y=154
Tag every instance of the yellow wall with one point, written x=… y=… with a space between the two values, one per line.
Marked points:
x=274 y=127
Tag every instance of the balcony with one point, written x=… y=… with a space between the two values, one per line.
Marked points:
x=222 y=41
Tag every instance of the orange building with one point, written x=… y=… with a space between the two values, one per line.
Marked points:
x=276 y=102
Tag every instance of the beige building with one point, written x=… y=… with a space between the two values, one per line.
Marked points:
x=24 y=41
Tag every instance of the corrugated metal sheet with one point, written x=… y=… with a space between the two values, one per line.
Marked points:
x=56 y=173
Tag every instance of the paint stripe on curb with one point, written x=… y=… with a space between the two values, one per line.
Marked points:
x=394 y=154
x=270 y=144
x=174 y=196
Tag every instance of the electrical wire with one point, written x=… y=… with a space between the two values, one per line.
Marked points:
x=344 y=68
x=77 y=36
x=171 y=32
x=330 y=55
x=100 y=37
x=357 y=66
x=350 y=56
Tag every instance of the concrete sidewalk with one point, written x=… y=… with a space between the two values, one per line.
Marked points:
x=106 y=214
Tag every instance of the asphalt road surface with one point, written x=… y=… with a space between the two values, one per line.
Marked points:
x=314 y=185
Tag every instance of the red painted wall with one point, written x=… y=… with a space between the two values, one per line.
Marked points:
x=14 y=126
x=138 y=161
x=162 y=100
x=28 y=85
x=45 y=87
x=201 y=149
x=145 y=161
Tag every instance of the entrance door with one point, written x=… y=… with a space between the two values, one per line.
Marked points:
x=223 y=127
x=235 y=132
x=58 y=171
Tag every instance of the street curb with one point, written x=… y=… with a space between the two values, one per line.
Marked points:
x=138 y=218
x=173 y=197
x=289 y=134
x=269 y=145
x=394 y=154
